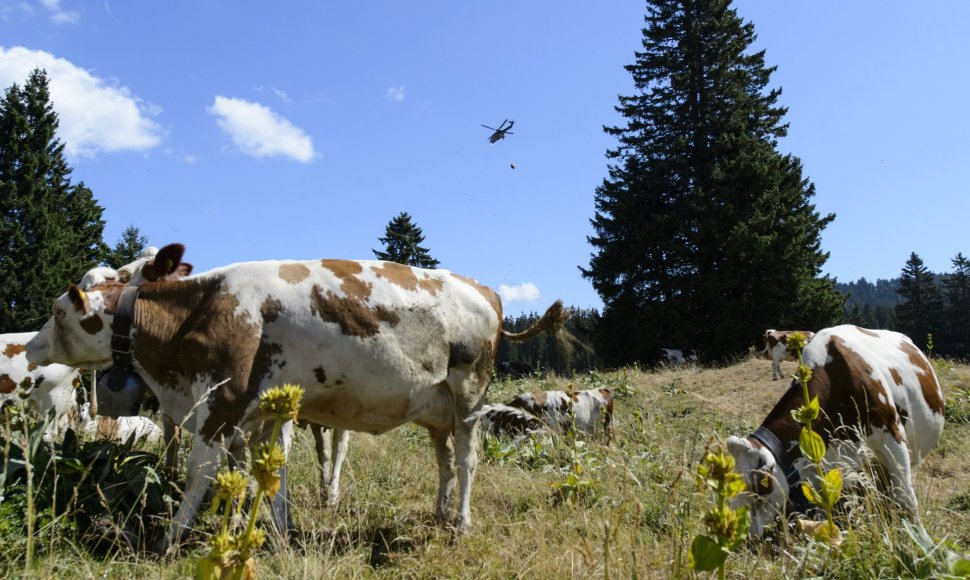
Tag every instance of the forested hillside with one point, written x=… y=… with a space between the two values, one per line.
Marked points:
x=871 y=304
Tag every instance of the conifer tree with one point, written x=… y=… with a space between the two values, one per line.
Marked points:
x=704 y=233
x=129 y=247
x=957 y=313
x=50 y=229
x=402 y=244
x=921 y=312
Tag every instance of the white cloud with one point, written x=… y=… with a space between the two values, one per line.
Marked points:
x=58 y=14
x=256 y=130
x=395 y=94
x=525 y=292
x=95 y=115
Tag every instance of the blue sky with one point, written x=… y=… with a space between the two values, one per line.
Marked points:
x=251 y=130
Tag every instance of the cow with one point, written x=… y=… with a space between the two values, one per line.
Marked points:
x=585 y=411
x=44 y=387
x=876 y=390
x=120 y=429
x=676 y=357
x=374 y=345
x=776 y=348
x=499 y=418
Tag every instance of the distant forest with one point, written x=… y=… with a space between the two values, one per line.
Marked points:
x=871 y=304
x=868 y=304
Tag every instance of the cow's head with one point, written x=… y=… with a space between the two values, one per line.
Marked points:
x=766 y=489
x=79 y=332
x=154 y=265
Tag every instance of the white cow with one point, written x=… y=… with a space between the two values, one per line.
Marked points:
x=45 y=387
x=374 y=344
x=776 y=348
x=585 y=411
x=676 y=357
x=119 y=429
x=876 y=390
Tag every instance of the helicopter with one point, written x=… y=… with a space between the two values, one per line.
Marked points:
x=500 y=133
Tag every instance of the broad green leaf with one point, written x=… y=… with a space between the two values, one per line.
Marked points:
x=832 y=485
x=812 y=495
x=706 y=554
x=961 y=568
x=811 y=445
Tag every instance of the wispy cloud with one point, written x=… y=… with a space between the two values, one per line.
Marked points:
x=58 y=14
x=524 y=292
x=257 y=131
x=95 y=115
x=395 y=94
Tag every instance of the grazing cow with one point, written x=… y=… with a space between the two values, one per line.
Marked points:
x=45 y=387
x=676 y=357
x=875 y=389
x=374 y=345
x=498 y=418
x=586 y=411
x=119 y=429
x=776 y=348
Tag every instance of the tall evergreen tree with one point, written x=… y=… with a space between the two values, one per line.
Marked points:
x=705 y=234
x=50 y=229
x=402 y=244
x=921 y=313
x=129 y=247
x=957 y=314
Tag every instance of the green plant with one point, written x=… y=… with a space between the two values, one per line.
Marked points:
x=231 y=551
x=812 y=447
x=726 y=527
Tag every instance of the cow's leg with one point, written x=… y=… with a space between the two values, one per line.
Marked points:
x=445 y=454
x=280 y=504
x=171 y=433
x=466 y=450
x=775 y=369
x=204 y=461
x=894 y=457
x=322 y=447
x=340 y=439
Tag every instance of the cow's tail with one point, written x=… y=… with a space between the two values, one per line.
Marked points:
x=554 y=321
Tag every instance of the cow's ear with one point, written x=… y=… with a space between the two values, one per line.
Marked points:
x=79 y=299
x=166 y=261
x=183 y=270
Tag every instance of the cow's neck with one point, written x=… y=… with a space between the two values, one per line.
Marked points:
x=780 y=421
x=166 y=312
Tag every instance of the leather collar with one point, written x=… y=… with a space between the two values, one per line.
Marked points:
x=796 y=499
x=121 y=338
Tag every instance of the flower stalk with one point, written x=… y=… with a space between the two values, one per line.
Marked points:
x=230 y=552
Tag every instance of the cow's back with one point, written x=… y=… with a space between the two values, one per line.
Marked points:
x=883 y=371
x=370 y=342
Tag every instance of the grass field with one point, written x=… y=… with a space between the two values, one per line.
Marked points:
x=565 y=508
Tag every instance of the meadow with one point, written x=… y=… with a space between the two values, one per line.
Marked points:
x=565 y=507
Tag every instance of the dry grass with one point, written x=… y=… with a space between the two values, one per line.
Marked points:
x=637 y=519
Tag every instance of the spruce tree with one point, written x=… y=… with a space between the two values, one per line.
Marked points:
x=50 y=229
x=956 y=288
x=704 y=233
x=921 y=312
x=129 y=247
x=402 y=244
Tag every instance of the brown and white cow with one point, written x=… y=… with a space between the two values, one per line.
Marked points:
x=878 y=395
x=374 y=345
x=585 y=411
x=45 y=387
x=776 y=348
